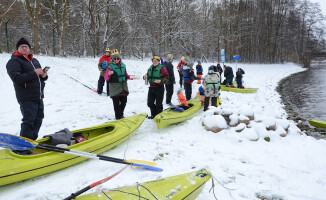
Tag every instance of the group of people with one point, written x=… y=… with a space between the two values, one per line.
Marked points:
x=29 y=80
x=228 y=74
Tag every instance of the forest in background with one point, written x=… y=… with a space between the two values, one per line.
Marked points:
x=260 y=31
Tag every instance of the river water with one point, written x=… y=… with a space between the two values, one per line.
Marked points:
x=304 y=95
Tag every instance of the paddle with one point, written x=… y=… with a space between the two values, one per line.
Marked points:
x=20 y=143
x=79 y=192
x=94 y=90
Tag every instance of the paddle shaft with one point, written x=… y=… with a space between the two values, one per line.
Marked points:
x=74 y=195
x=138 y=163
x=94 y=156
x=83 y=153
x=83 y=84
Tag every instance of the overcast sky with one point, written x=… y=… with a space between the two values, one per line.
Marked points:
x=322 y=5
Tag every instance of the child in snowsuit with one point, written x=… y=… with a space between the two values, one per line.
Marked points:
x=212 y=87
x=189 y=77
x=239 y=76
x=180 y=68
x=102 y=66
x=199 y=70
x=201 y=95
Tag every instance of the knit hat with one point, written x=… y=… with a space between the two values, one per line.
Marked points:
x=22 y=41
x=211 y=69
x=116 y=56
x=189 y=64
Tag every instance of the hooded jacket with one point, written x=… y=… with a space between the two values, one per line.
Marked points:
x=28 y=85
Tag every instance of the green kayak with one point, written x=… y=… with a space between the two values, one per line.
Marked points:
x=14 y=167
x=169 y=117
x=184 y=186
x=317 y=124
x=238 y=90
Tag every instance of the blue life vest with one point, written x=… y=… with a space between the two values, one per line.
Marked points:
x=187 y=74
x=201 y=90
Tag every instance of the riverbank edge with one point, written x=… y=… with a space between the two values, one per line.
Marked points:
x=301 y=123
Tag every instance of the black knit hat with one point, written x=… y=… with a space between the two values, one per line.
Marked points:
x=22 y=41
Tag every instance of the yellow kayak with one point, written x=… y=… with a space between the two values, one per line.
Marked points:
x=317 y=124
x=169 y=117
x=14 y=167
x=181 y=187
x=238 y=90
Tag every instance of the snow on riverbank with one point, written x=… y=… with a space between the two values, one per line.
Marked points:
x=290 y=167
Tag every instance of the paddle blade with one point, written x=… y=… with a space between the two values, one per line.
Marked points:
x=142 y=162
x=14 y=142
x=147 y=167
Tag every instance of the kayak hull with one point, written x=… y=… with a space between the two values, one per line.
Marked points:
x=238 y=90
x=169 y=117
x=317 y=124
x=184 y=186
x=14 y=167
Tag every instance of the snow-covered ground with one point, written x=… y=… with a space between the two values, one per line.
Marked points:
x=291 y=167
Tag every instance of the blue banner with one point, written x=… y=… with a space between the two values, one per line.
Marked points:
x=222 y=56
x=236 y=57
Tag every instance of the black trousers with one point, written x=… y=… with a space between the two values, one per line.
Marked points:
x=206 y=102
x=33 y=114
x=188 y=90
x=155 y=99
x=119 y=104
x=100 y=85
x=181 y=79
x=169 y=92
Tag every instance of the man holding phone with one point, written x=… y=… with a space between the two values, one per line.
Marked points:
x=28 y=78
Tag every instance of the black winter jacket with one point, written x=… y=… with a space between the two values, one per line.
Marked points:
x=169 y=68
x=228 y=73
x=28 y=85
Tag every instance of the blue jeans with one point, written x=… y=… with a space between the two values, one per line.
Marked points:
x=239 y=83
x=33 y=114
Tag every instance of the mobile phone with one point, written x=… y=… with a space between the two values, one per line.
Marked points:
x=46 y=68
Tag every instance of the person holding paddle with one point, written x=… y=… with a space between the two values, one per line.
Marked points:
x=29 y=80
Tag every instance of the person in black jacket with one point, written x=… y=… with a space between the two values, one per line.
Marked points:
x=28 y=79
x=238 y=77
x=228 y=74
x=189 y=77
x=169 y=85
